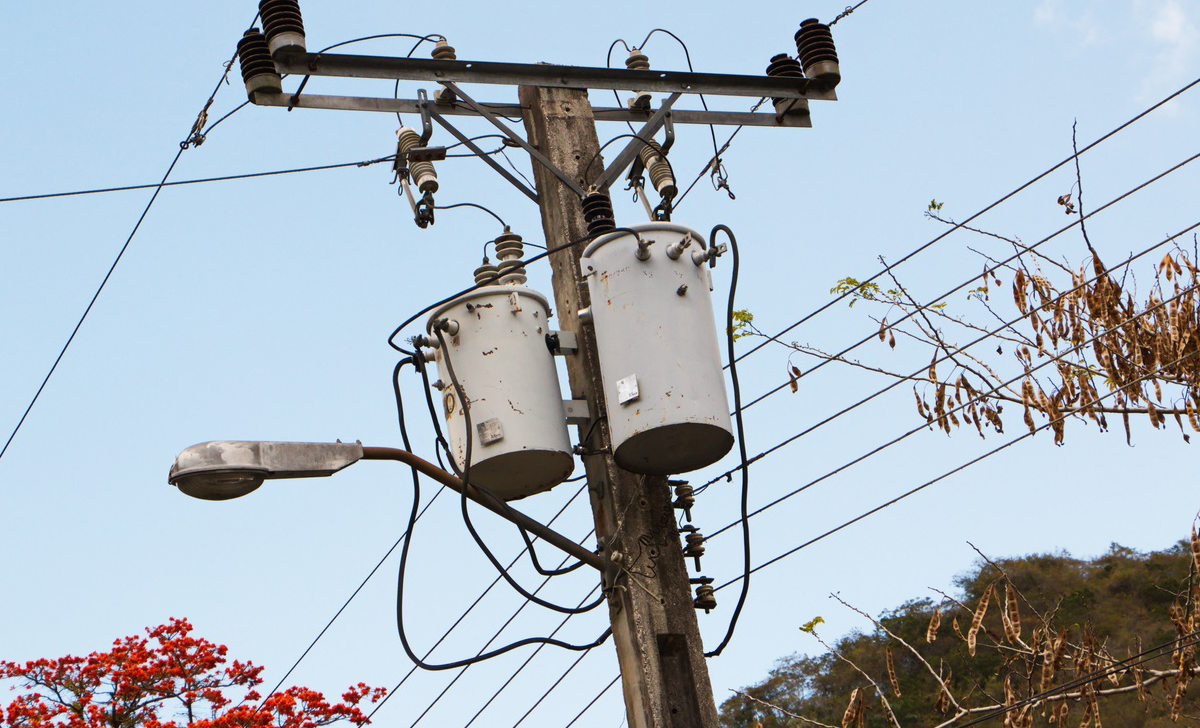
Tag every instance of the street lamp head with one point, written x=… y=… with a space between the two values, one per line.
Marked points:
x=225 y=469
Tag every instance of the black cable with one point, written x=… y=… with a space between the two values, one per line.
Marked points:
x=421 y=39
x=954 y=471
x=843 y=14
x=502 y=627
x=712 y=130
x=202 y=180
x=525 y=664
x=583 y=239
x=550 y=689
x=400 y=603
x=593 y=701
x=938 y=360
x=465 y=476
x=475 y=205
x=741 y=437
x=959 y=287
x=950 y=411
x=183 y=146
x=537 y=565
x=986 y=209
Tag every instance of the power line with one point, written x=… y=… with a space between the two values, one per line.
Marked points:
x=954 y=471
x=918 y=309
x=986 y=209
x=960 y=407
x=225 y=178
x=846 y=12
x=183 y=146
x=937 y=360
x=593 y=701
x=551 y=689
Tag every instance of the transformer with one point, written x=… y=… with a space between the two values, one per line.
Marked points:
x=496 y=342
x=660 y=359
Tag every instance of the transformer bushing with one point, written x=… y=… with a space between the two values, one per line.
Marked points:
x=664 y=388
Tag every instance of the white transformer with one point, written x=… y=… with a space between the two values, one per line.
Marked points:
x=659 y=355
x=497 y=344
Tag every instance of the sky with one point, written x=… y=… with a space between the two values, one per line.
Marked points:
x=259 y=309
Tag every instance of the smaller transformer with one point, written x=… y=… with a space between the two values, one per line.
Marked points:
x=664 y=387
x=496 y=341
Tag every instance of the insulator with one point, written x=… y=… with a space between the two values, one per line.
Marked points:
x=661 y=176
x=637 y=61
x=443 y=51
x=705 y=598
x=486 y=274
x=598 y=213
x=695 y=544
x=282 y=25
x=423 y=174
x=818 y=56
x=784 y=66
x=258 y=70
x=685 y=498
x=509 y=250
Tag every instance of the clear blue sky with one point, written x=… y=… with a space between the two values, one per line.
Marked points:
x=258 y=309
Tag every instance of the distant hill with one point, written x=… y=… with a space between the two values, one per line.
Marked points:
x=1104 y=610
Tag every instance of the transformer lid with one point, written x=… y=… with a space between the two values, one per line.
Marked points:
x=485 y=292
x=644 y=227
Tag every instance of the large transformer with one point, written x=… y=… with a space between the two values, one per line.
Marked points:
x=664 y=386
x=495 y=338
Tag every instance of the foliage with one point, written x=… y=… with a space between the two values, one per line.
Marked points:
x=742 y=321
x=1019 y=627
x=167 y=678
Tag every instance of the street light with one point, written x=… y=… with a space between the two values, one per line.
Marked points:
x=225 y=469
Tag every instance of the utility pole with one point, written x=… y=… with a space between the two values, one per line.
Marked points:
x=663 y=670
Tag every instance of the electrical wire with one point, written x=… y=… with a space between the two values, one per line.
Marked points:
x=846 y=12
x=183 y=146
x=202 y=180
x=988 y=208
x=645 y=142
x=1112 y=668
x=940 y=359
x=593 y=701
x=400 y=599
x=465 y=475
x=956 y=409
x=391 y=340
x=526 y=663
x=954 y=471
x=957 y=288
x=550 y=689
x=421 y=39
x=741 y=436
x=476 y=206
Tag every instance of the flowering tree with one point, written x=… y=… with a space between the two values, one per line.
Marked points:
x=163 y=680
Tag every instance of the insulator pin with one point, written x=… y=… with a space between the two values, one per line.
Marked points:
x=784 y=66
x=509 y=250
x=818 y=56
x=695 y=544
x=661 y=175
x=598 y=213
x=638 y=61
x=258 y=70
x=685 y=497
x=423 y=174
x=443 y=51
x=282 y=25
x=705 y=594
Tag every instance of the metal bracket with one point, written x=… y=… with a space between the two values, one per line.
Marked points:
x=437 y=116
x=603 y=113
x=426 y=127
x=547 y=74
x=486 y=114
x=577 y=411
x=562 y=343
x=631 y=149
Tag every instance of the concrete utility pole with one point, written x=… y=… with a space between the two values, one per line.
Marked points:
x=663 y=670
